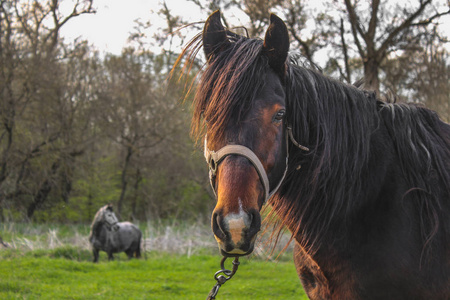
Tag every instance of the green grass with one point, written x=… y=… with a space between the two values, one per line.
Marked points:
x=67 y=273
x=52 y=261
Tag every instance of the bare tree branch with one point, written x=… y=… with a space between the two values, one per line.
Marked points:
x=356 y=28
x=373 y=23
x=347 y=74
x=429 y=20
x=391 y=37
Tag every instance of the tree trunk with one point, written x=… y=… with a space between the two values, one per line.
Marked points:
x=124 y=180
x=90 y=205
x=371 y=75
x=2 y=218
x=136 y=193
x=39 y=198
x=43 y=191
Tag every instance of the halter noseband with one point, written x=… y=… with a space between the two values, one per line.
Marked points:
x=214 y=158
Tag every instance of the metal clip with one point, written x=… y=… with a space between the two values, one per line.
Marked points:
x=221 y=279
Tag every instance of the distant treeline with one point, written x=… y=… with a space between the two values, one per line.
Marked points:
x=80 y=130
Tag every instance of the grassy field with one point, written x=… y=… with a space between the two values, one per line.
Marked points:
x=66 y=274
x=65 y=271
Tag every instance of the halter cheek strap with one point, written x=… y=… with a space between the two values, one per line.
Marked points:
x=214 y=158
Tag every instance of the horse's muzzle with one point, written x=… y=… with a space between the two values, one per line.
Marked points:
x=236 y=232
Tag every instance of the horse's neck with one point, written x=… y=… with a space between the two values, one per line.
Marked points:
x=99 y=229
x=376 y=177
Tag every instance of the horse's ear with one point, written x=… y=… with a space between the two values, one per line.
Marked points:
x=276 y=44
x=214 y=36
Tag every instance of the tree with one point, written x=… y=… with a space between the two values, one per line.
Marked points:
x=360 y=36
x=132 y=115
x=30 y=88
x=379 y=29
x=422 y=75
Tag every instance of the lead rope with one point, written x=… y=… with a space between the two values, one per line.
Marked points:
x=221 y=279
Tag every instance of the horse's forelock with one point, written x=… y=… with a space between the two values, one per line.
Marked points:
x=227 y=87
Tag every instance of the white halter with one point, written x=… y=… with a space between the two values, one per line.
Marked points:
x=214 y=158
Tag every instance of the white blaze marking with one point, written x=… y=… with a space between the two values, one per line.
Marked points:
x=236 y=223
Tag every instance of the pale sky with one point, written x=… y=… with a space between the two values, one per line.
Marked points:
x=109 y=29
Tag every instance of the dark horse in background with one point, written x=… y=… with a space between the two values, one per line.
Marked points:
x=363 y=185
x=110 y=235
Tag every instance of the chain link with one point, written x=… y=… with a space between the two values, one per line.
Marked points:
x=221 y=279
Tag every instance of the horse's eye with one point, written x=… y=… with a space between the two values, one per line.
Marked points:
x=278 y=117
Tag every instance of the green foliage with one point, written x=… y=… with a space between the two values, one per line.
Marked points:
x=81 y=130
x=93 y=191
x=56 y=275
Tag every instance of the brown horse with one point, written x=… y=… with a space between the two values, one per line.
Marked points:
x=363 y=185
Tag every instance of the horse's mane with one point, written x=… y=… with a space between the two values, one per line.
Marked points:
x=422 y=143
x=96 y=222
x=336 y=122
x=333 y=120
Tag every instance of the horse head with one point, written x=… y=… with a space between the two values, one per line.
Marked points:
x=109 y=218
x=242 y=101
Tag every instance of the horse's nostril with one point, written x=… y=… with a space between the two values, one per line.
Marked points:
x=217 y=227
x=255 y=223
